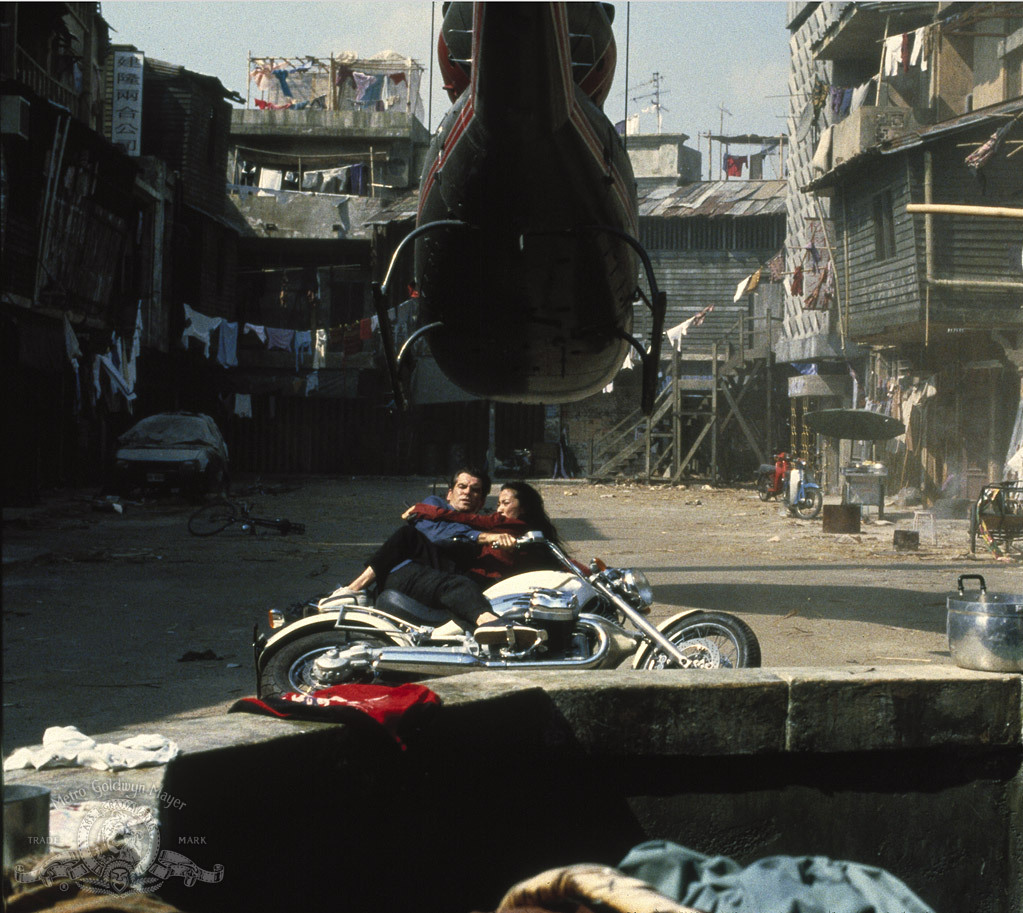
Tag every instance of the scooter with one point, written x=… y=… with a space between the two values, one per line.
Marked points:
x=560 y=619
x=793 y=480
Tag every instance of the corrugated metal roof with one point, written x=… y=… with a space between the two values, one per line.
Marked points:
x=727 y=199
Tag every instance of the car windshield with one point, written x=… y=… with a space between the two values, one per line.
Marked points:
x=172 y=430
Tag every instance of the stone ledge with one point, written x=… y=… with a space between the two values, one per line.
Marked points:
x=708 y=714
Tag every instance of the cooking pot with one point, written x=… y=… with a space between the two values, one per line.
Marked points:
x=26 y=821
x=985 y=631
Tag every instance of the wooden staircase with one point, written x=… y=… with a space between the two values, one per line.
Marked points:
x=664 y=445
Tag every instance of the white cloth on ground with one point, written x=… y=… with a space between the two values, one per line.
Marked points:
x=66 y=746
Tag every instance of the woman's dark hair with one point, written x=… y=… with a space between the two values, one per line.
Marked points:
x=532 y=511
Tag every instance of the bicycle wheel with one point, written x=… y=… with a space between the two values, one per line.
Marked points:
x=212 y=518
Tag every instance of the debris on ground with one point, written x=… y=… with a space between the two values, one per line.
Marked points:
x=193 y=656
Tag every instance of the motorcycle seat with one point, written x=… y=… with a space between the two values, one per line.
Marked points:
x=399 y=604
x=766 y=467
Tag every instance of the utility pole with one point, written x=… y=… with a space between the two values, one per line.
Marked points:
x=721 y=133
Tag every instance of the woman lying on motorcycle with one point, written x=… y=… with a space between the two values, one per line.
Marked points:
x=452 y=578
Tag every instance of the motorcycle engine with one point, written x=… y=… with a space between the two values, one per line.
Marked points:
x=339 y=665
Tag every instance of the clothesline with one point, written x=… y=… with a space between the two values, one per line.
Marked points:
x=346 y=338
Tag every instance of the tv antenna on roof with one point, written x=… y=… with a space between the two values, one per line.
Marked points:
x=656 y=107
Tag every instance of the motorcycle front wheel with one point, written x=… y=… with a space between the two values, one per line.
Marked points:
x=291 y=667
x=810 y=505
x=710 y=640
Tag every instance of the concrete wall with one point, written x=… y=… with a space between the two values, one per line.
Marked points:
x=916 y=770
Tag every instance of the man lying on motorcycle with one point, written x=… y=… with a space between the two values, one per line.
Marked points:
x=421 y=560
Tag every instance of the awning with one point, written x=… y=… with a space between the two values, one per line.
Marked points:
x=854 y=424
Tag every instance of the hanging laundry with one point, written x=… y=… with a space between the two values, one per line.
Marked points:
x=276 y=338
x=835 y=98
x=815 y=254
x=368 y=88
x=312 y=382
x=796 y=283
x=227 y=345
x=916 y=56
x=303 y=343
x=676 y=333
x=336 y=338
x=906 y=51
x=257 y=331
x=74 y=352
x=118 y=385
x=352 y=342
x=198 y=326
x=845 y=105
x=820 y=296
x=747 y=285
x=756 y=166
x=282 y=79
x=136 y=347
x=320 y=350
x=243 y=405
x=734 y=165
x=981 y=156
x=859 y=95
x=358 y=179
x=776 y=266
x=365 y=329
x=891 y=55
x=71 y=347
x=818 y=99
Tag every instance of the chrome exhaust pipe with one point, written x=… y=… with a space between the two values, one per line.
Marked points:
x=440 y=661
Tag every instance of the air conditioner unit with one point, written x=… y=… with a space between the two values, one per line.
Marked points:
x=14 y=112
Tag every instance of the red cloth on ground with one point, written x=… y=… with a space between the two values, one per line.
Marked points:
x=343 y=703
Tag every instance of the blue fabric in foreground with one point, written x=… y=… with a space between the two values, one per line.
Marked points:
x=777 y=884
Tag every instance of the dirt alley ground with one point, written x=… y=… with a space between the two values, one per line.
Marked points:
x=104 y=613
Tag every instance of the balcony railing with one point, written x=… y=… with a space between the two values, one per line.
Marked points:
x=28 y=71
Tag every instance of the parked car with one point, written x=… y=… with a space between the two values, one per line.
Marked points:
x=172 y=450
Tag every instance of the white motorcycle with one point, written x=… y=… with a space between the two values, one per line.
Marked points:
x=561 y=619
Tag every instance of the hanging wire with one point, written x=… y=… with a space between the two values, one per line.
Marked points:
x=625 y=113
x=433 y=56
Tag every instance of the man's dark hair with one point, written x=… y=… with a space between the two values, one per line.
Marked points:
x=476 y=473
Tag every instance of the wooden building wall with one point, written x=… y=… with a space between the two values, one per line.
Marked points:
x=888 y=297
x=694 y=279
x=966 y=247
x=186 y=122
x=878 y=295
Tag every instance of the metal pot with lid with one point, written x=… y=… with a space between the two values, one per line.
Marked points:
x=985 y=630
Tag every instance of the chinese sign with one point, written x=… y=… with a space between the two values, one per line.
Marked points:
x=126 y=107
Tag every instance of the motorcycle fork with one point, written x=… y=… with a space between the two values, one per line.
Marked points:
x=640 y=621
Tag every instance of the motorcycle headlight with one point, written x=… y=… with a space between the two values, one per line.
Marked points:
x=636 y=582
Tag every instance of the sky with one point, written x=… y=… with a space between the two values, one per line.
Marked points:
x=710 y=55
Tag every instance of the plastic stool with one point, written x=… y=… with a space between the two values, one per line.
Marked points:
x=923 y=523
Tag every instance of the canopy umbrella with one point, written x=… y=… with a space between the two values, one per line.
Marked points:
x=854 y=424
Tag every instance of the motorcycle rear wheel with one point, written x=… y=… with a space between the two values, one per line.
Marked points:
x=764 y=483
x=810 y=506
x=290 y=668
x=712 y=640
